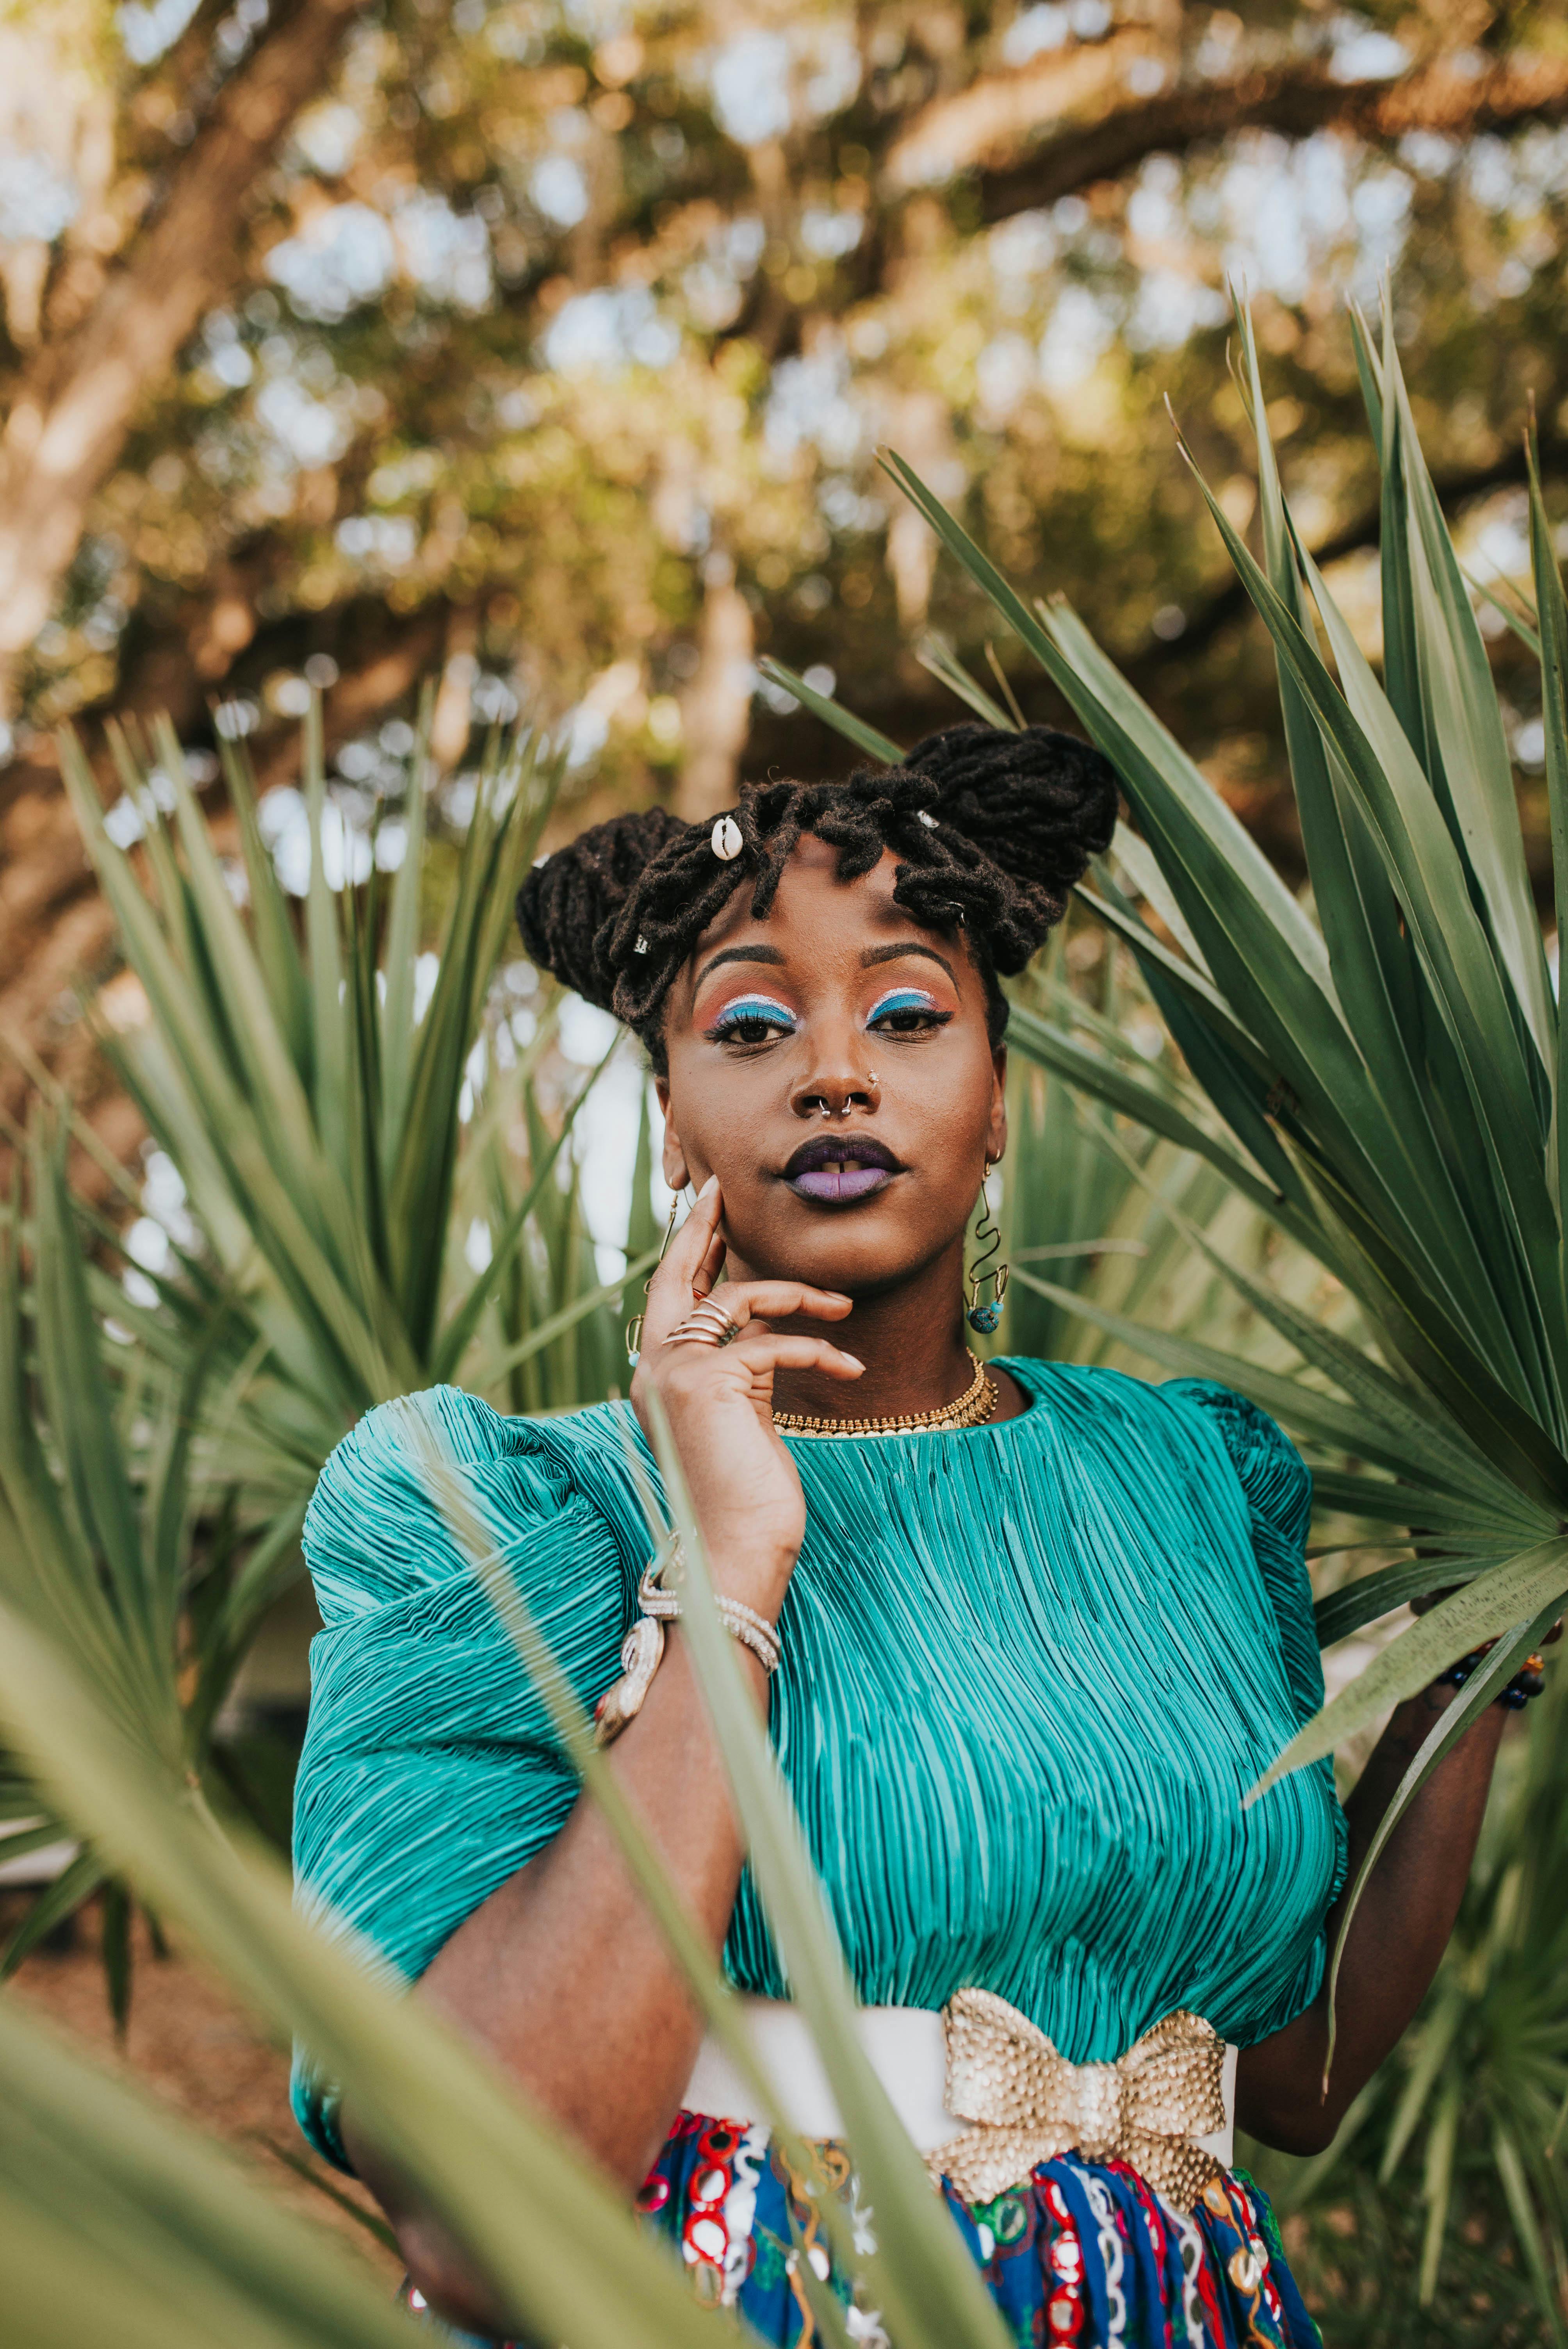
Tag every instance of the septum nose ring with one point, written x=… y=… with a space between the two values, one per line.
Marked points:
x=844 y=1107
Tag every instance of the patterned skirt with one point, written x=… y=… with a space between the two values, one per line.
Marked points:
x=1084 y=2256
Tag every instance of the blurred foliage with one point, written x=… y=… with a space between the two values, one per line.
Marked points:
x=367 y=1190
x=556 y=340
x=353 y=1118
x=1097 y=1204
x=1440 y=2213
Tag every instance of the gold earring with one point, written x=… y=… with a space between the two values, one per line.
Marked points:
x=988 y=1240
x=634 y=1327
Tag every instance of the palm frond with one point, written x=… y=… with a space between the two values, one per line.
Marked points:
x=1384 y=1076
x=548 y=2234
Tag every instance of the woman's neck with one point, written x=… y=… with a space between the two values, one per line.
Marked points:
x=912 y=1339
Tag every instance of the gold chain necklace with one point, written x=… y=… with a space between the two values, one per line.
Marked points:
x=973 y=1407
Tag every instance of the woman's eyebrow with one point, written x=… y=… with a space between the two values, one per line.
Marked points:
x=738 y=954
x=874 y=955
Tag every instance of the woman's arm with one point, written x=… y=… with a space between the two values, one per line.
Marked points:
x=565 y=1980
x=561 y=1976
x=1397 y=1936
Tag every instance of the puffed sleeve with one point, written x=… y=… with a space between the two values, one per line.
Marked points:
x=430 y=1771
x=1277 y=1483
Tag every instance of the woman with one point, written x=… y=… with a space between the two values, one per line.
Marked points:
x=1036 y=1630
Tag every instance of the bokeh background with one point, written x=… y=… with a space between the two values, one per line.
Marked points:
x=545 y=351
x=533 y=359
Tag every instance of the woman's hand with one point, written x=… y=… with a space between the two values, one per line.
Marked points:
x=719 y=1401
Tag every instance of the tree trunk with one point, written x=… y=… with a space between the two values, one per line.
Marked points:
x=715 y=708
x=76 y=403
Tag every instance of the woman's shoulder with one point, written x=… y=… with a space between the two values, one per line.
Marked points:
x=395 y=1448
x=418 y=1478
x=1185 y=1413
x=1274 y=1477
x=1200 y=1427
x=469 y=1430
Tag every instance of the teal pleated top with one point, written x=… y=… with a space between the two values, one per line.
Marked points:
x=1029 y=1672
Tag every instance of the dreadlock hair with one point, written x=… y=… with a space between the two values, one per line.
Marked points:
x=991 y=831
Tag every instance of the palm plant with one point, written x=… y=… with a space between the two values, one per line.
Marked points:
x=1102 y=1217
x=1377 y=1071
x=334 y=1132
x=103 y=1556
x=1457 y=2139
x=109 y=2211
x=339 y=1142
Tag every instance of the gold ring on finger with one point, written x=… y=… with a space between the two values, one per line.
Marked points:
x=707 y=1325
x=711 y=1308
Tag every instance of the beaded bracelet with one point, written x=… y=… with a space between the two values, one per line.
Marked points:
x=742 y=1622
x=644 y=1644
x=1527 y=1682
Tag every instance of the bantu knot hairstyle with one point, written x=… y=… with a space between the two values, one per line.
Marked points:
x=990 y=830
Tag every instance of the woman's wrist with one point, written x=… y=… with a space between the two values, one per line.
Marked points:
x=756 y=1581
x=1411 y=1723
x=1527 y=1682
x=660 y=1608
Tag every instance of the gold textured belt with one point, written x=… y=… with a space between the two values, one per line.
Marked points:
x=1025 y=2103
x=986 y=2096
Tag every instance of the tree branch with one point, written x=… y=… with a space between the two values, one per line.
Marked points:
x=72 y=411
x=1231 y=602
x=1293 y=100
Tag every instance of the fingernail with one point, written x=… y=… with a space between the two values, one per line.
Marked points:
x=852 y=1357
x=711 y=1185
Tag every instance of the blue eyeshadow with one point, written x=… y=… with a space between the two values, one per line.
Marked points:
x=905 y=998
x=754 y=1007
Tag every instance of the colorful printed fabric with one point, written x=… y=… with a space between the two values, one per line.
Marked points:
x=1084 y=2256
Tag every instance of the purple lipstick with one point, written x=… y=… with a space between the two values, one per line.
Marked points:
x=837 y=1169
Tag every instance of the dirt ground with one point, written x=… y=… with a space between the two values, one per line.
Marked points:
x=196 y=2049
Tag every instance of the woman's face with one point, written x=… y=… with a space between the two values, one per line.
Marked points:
x=838 y=1002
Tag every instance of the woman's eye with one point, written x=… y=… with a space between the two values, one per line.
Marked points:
x=907 y=1014
x=752 y=1024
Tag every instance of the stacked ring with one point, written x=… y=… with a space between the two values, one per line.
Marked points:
x=707 y=1324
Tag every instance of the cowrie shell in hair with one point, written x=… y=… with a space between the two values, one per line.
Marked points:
x=642 y=945
x=725 y=841
x=927 y=819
